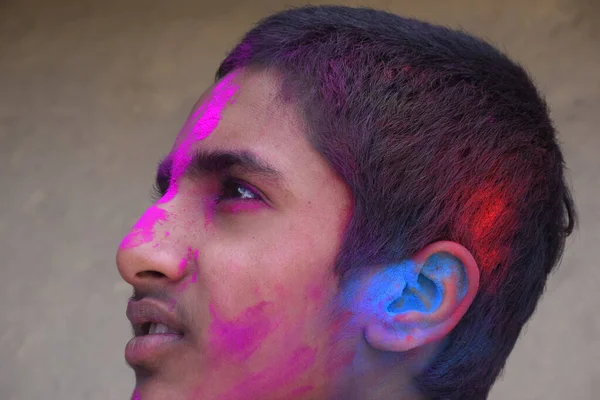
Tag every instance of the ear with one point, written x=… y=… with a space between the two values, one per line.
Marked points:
x=422 y=300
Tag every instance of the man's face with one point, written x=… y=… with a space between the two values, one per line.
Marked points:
x=237 y=257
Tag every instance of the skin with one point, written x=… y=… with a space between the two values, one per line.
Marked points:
x=251 y=273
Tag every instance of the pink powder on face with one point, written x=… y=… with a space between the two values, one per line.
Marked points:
x=194 y=276
x=343 y=356
x=275 y=376
x=210 y=205
x=183 y=265
x=207 y=118
x=221 y=95
x=245 y=206
x=316 y=294
x=301 y=391
x=171 y=192
x=143 y=231
x=199 y=126
x=172 y=305
x=237 y=339
x=136 y=395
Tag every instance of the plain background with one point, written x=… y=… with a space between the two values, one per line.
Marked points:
x=92 y=93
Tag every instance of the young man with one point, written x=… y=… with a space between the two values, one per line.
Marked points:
x=362 y=206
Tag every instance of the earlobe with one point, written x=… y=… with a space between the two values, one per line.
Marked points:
x=424 y=302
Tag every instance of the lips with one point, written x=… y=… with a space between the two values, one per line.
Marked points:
x=157 y=332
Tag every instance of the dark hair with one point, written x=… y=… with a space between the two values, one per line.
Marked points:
x=440 y=137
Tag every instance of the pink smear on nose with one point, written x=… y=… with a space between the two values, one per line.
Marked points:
x=238 y=339
x=143 y=231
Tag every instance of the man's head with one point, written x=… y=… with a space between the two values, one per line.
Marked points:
x=362 y=206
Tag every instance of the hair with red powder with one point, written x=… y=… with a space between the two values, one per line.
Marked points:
x=440 y=137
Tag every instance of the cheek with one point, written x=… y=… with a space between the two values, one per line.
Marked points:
x=277 y=377
x=237 y=339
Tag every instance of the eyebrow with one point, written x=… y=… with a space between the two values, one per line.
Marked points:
x=216 y=162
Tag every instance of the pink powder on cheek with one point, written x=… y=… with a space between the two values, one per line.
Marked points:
x=301 y=391
x=274 y=377
x=316 y=293
x=194 y=277
x=210 y=205
x=342 y=357
x=143 y=231
x=183 y=266
x=237 y=207
x=136 y=395
x=238 y=339
x=172 y=305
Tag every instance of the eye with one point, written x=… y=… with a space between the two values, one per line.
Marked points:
x=233 y=189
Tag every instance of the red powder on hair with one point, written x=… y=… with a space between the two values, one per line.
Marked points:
x=487 y=226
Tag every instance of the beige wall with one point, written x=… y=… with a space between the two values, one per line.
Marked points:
x=91 y=95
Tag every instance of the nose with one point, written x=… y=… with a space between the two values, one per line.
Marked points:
x=147 y=255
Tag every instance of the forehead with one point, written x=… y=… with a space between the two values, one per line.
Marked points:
x=247 y=111
x=248 y=114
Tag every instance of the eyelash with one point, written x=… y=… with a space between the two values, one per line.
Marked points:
x=160 y=188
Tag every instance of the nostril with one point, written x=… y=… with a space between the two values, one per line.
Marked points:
x=150 y=274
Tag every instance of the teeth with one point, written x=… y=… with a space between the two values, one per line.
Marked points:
x=159 y=328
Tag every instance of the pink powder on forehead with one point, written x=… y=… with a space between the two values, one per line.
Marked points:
x=222 y=94
x=143 y=231
x=171 y=192
x=204 y=121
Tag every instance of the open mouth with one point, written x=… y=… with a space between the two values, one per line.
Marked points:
x=157 y=332
x=154 y=328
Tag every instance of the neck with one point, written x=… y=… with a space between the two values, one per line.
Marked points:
x=378 y=375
